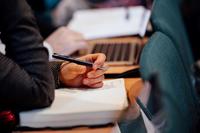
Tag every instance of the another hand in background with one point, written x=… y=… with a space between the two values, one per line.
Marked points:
x=78 y=76
x=65 y=41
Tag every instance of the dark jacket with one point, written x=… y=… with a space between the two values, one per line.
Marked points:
x=26 y=81
x=43 y=16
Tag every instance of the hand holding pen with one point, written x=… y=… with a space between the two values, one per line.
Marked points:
x=84 y=71
x=77 y=74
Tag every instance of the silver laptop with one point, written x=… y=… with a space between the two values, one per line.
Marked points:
x=117 y=52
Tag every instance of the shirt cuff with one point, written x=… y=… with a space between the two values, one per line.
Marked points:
x=49 y=48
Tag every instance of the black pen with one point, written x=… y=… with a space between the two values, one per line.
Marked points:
x=144 y=109
x=77 y=61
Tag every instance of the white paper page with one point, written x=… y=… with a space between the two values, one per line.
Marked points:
x=112 y=22
x=76 y=104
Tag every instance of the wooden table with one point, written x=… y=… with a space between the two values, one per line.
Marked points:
x=133 y=87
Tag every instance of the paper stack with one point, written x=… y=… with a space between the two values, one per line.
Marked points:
x=73 y=107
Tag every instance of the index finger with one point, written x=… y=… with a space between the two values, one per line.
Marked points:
x=99 y=60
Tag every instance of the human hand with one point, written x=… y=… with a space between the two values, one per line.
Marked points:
x=75 y=75
x=66 y=41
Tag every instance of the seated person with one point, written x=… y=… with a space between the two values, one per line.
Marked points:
x=51 y=14
x=59 y=39
x=27 y=79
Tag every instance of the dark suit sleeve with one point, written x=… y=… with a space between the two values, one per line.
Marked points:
x=43 y=17
x=26 y=81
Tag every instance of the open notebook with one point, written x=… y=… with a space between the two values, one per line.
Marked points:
x=110 y=22
x=80 y=107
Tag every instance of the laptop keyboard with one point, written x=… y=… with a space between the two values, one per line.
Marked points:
x=117 y=52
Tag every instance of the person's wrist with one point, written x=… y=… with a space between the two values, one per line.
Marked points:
x=62 y=80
